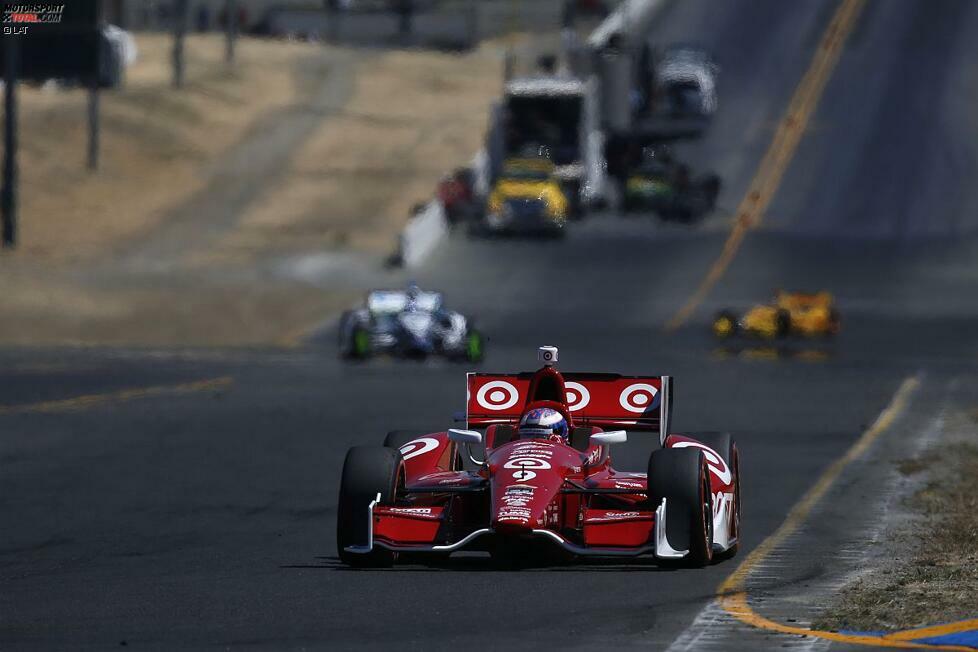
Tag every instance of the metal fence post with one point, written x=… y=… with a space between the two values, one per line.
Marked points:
x=231 y=18
x=8 y=197
x=179 y=31
x=93 y=99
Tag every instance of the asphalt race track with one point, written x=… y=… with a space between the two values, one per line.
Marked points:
x=188 y=517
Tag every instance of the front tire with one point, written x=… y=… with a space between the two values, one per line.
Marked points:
x=680 y=475
x=367 y=472
x=724 y=445
x=835 y=323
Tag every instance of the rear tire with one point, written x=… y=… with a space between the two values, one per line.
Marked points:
x=680 y=475
x=782 y=323
x=711 y=190
x=367 y=471
x=359 y=343
x=475 y=346
x=343 y=327
x=725 y=325
x=397 y=438
x=835 y=323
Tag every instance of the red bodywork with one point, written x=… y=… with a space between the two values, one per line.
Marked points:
x=536 y=488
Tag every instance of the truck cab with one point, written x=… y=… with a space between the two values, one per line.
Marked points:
x=558 y=116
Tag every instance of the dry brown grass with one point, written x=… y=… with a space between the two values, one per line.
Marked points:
x=413 y=117
x=156 y=143
x=935 y=577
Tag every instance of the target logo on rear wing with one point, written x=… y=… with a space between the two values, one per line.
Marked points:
x=606 y=400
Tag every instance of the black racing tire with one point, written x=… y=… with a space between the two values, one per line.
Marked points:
x=683 y=214
x=725 y=446
x=711 y=190
x=475 y=346
x=344 y=334
x=721 y=442
x=782 y=323
x=397 y=438
x=724 y=325
x=342 y=326
x=358 y=347
x=367 y=471
x=680 y=475
x=734 y=465
x=835 y=323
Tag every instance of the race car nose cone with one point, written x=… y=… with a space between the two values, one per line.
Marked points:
x=521 y=503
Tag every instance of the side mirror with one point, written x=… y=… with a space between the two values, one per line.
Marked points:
x=464 y=436
x=609 y=437
x=467 y=437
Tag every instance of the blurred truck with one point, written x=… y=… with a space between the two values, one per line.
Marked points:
x=559 y=116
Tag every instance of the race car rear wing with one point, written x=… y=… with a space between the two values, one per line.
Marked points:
x=604 y=400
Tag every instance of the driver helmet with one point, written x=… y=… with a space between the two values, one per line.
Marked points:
x=413 y=293
x=543 y=422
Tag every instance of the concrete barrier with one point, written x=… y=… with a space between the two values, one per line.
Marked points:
x=422 y=233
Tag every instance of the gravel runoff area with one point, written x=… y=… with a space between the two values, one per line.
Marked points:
x=929 y=575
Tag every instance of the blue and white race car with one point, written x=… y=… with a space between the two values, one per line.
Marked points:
x=409 y=323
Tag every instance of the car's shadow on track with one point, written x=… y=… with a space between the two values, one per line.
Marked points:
x=486 y=564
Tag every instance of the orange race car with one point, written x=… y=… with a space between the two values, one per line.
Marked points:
x=796 y=313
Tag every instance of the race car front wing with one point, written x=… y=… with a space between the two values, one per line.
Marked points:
x=659 y=545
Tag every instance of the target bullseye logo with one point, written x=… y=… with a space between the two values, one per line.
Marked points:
x=497 y=395
x=639 y=397
x=577 y=396
x=715 y=463
x=418 y=446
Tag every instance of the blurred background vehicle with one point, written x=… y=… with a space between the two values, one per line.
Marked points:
x=527 y=198
x=171 y=314
x=794 y=313
x=685 y=82
x=456 y=192
x=659 y=183
x=559 y=113
x=409 y=323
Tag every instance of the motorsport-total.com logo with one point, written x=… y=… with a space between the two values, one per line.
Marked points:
x=19 y=17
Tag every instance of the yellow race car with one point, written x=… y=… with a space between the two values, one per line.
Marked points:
x=526 y=199
x=794 y=313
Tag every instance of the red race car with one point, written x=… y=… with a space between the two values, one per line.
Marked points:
x=538 y=490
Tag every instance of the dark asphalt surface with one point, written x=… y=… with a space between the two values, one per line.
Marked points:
x=206 y=519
